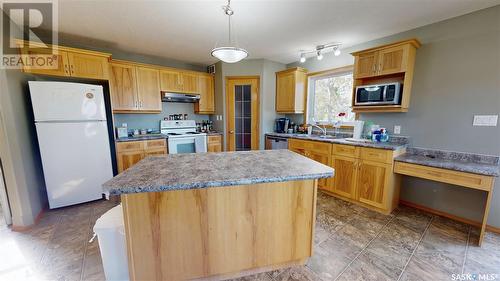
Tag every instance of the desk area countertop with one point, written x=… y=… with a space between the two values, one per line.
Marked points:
x=457 y=161
x=202 y=170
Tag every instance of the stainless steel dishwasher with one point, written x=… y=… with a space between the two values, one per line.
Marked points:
x=273 y=142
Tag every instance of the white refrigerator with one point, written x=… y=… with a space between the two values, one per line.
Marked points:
x=70 y=121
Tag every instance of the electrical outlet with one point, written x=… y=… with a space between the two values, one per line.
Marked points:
x=397 y=129
x=485 y=120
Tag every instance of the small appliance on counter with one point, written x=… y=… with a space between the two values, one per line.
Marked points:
x=357 y=127
x=282 y=125
x=122 y=132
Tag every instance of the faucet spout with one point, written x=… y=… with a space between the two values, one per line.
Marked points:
x=323 y=130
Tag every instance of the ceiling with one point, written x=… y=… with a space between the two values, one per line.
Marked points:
x=274 y=30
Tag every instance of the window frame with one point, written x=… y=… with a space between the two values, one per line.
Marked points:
x=311 y=77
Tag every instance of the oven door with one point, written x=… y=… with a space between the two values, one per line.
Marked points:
x=369 y=95
x=188 y=144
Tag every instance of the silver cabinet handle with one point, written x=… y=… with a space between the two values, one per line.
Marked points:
x=140 y=103
x=231 y=132
x=374 y=68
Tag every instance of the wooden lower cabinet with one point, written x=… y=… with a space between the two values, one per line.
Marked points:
x=323 y=158
x=214 y=143
x=130 y=152
x=362 y=175
x=321 y=152
x=128 y=159
x=374 y=180
x=346 y=172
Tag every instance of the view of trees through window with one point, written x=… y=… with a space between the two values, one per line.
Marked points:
x=332 y=95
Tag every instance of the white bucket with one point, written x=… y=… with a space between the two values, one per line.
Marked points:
x=110 y=231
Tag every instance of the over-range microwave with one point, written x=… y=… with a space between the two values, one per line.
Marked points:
x=381 y=94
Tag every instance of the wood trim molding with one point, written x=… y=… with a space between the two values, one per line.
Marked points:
x=21 y=228
x=413 y=41
x=337 y=70
x=449 y=216
x=342 y=69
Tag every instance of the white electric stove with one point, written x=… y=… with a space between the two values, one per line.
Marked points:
x=183 y=137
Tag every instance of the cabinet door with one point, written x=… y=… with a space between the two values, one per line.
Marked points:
x=285 y=92
x=326 y=159
x=170 y=81
x=88 y=66
x=155 y=151
x=346 y=170
x=392 y=60
x=122 y=84
x=206 y=104
x=148 y=88
x=61 y=67
x=214 y=143
x=373 y=178
x=365 y=65
x=128 y=159
x=189 y=83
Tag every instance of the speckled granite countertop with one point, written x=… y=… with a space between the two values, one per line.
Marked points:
x=458 y=161
x=202 y=170
x=380 y=145
x=143 y=137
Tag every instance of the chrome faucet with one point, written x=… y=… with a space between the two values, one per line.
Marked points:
x=323 y=130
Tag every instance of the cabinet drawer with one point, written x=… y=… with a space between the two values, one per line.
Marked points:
x=155 y=143
x=129 y=145
x=377 y=155
x=443 y=175
x=345 y=150
x=316 y=146
x=214 y=139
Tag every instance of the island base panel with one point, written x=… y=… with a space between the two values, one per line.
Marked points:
x=198 y=233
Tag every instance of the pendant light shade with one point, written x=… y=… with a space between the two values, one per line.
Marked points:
x=230 y=53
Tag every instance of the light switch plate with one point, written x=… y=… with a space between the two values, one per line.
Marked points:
x=397 y=129
x=485 y=120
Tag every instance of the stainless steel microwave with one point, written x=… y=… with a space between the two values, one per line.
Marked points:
x=382 y=94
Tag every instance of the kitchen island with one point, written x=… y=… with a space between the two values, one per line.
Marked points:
x=218 y=215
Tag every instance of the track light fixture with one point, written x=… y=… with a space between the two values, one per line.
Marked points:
x=320 y=50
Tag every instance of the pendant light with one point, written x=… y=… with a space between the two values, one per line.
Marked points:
x=230 y=53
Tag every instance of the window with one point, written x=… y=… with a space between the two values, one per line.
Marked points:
x=330 y=95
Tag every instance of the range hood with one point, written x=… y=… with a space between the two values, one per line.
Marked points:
x=178 y=97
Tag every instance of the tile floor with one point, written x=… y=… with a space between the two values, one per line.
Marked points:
x=351 y=243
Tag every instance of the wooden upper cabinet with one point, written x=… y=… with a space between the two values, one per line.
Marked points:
x=148 y=89
x=123 y=87
x=291 y=90
x=385 y=60
x=170 y=80
x=61 y=63
x=88 y=66
x=386 y=64
x=365 y=65
x=373 y=183
x=206 y=104
x=346 y=172
x=189 y=82
x=178 y=81
x=393 y=60
x=71 y=62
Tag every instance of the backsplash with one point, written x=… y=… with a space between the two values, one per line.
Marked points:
x=152 y=121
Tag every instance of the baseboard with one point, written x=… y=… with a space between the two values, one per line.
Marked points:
x=448 y=215
x=21 y=228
